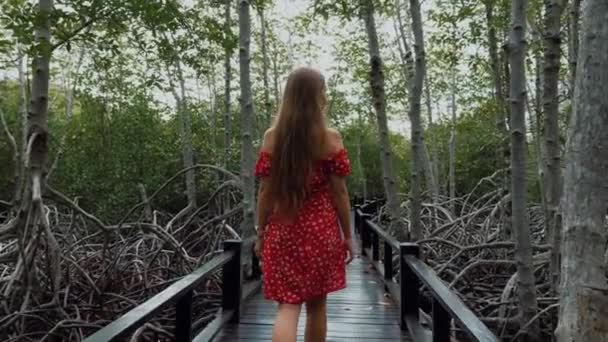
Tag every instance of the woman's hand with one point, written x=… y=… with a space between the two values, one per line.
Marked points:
x=348 y=243
x=257 y=248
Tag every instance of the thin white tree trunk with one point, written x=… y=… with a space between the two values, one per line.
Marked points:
x=247 y=121
x=362 y=178
x=185 y=126
x=379 y=102
x=523 y=244
x=415 y=99
x=24 y=98
x=267 y=103
x=407 y=59
x=215 y=113
x=538 y=144
x=186 y=133
x=499 y=95
x=408 y=70
x=552 y=148
x=69 y=107
x=495 y=65
x=144 y=198
x=452 y=163
x=275 y=76
x=227 y=80
x=583 y=313
x=434 y=163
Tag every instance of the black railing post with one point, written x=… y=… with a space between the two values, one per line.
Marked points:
x=365 y=233
x=357 y=219
x=375 y=246
x=409 y=284
x=388 y=261
x=441 y=323
x=183 y=318
x=232 y=280
x=255 y=265
x=370 y=207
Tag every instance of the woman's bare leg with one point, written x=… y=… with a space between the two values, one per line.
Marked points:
x=286 y=324
x=316 y=320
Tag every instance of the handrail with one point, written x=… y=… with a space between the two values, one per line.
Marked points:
x=382 y=233
x=412 y=273
x=449 y=301
x=181 y=292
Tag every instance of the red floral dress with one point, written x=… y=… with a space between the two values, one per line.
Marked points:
x=305 y=259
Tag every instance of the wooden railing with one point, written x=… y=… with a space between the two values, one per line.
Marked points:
x=180 y=294
x=413 y=273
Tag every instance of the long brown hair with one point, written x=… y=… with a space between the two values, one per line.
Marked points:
x=299 y=132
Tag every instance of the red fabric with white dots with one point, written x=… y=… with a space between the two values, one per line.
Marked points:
x=305 y=259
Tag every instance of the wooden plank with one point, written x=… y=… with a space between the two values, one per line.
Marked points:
x=250 y=289
x=417 y=331
x=456 y=307
x=212 y=329
x=140 y=314
x=390 y=286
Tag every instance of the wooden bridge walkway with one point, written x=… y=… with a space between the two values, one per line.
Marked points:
x=361 y=312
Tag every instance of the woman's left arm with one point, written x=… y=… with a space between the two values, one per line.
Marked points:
x=263 y=207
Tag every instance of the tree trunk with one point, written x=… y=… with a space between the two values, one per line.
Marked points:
x=434 y=163
x=499 y=96
x=408 y=69
x=523 y=243
x=538 y=144
x=215 y=114
x=495 y=65
x=24 y=96
x=32 y=208
x=69 y=109
x=144 y=198
x=37 y=124
x=376 y=78
x=227 y=79
x=275 y=76
x=575 y=15
x=583 y=314
x=267 y=103
x=552 y=148
x=452 y=165
x=415 y=92
x=362 y=179
x=406 y=54
x=247 y=121
x=185 y=126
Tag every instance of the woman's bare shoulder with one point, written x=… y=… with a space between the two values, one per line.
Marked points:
x=268 y=142
x=334 y=140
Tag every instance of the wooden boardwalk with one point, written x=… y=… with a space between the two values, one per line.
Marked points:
x=361 y=312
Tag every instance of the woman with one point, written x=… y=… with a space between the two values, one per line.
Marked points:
x=302 y=203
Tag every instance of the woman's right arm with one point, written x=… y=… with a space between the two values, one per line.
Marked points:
x=342 y=203
x=340 y=196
